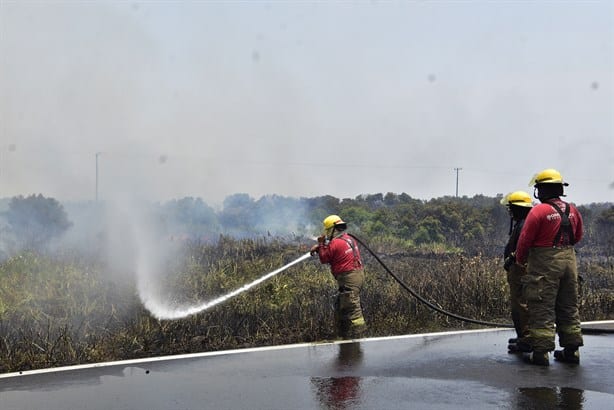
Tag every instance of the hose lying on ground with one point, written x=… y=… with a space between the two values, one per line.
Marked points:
x=426 y=302
x=593 y=329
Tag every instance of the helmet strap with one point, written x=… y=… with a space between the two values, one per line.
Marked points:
x=511 y=225
x=332 y=232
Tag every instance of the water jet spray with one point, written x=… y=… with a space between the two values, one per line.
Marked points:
x=163 y=312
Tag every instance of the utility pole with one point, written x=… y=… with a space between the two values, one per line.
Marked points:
x=457 y=169
x=97 y=155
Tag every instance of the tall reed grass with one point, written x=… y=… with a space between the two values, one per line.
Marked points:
x=66 y=309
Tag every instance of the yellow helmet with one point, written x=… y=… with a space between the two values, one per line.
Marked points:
x=547 y=176
x=332 y=220
x=518 y=198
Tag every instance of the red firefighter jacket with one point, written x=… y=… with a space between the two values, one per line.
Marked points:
x=542 y=226
x=341 y=253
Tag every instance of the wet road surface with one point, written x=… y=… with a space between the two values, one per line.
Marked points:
x=450 y=370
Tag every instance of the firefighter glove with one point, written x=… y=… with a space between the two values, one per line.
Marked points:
x=314 y=249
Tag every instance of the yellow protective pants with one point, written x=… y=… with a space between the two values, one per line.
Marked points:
x=348 y=310
x=551 y=291
x=518 y=306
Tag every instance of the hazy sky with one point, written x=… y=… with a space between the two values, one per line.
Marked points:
x=304 y=99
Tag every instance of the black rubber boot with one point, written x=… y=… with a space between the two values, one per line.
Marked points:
x=567 y=355
x=519 y=347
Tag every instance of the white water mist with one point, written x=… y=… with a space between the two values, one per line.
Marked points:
x=138 y=243
x=162 y=311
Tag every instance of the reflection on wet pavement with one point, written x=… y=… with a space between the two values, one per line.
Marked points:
x=550 y=397
x=341 y=392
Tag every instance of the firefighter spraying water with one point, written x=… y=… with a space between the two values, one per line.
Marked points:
x=338 y=249
x=335 y=247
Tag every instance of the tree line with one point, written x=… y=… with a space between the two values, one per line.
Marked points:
x=474 y=225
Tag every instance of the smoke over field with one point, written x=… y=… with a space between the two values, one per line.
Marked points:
x=142 y=244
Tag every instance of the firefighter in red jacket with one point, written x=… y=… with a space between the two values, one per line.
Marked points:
x=546 y=248
x=338 y=249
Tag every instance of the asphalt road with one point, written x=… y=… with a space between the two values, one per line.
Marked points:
x=433 y=371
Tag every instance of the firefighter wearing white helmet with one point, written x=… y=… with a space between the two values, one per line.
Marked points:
x=338 y=249
x=550 y=287
x=519 y=204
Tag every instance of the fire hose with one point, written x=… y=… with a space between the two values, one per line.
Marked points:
x=423 y=300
